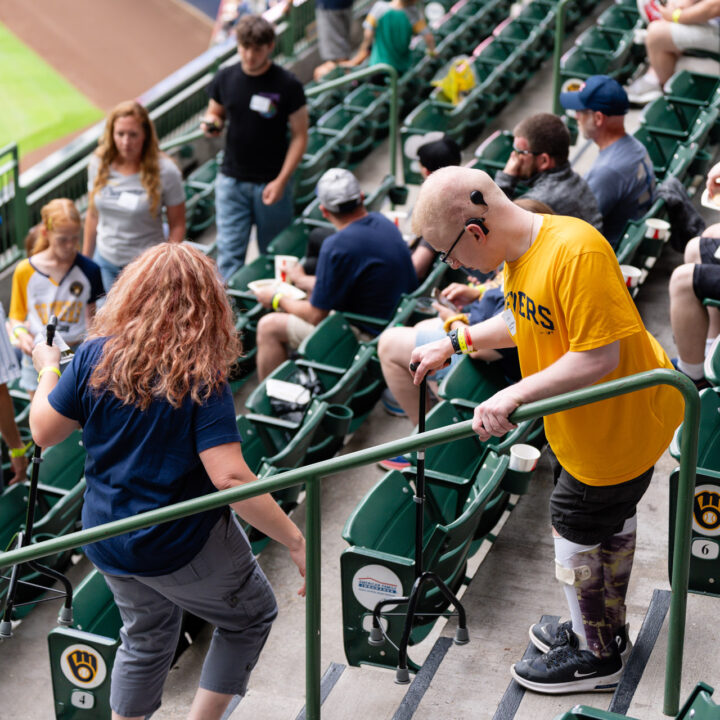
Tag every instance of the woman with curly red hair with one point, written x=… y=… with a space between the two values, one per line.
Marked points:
x=129 y=182
x=149 y=389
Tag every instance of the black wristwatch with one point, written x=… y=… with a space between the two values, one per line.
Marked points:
x=453 y=335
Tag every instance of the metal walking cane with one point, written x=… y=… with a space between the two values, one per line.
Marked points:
x=24 y=538
x=422 y=577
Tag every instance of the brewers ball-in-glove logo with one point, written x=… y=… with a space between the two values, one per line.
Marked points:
x=76 y=288
x=82 y=666
x=706 y=510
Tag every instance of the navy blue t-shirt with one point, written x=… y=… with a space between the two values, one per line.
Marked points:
x=142 y=460
x=364 y=268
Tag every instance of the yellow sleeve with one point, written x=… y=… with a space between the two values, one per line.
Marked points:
x=597 y=306
x=18 y=298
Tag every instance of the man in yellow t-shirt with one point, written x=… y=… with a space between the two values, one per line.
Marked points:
x=574 y=323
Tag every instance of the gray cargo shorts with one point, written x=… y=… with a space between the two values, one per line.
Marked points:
x=224 y=585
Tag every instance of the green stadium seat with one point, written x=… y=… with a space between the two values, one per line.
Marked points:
x=380 y=562
x=661 y=149
x=685 y=121
x=352 y=130
x=493 y=153
x=709 y=432
x=699 y=705
x=292 y=240
x=712 y=362
x=82 y=656
x=472 y=380
x=375 y=101
x=691 y=87
x=620 y=17
x=615 y=47
x=704 y=541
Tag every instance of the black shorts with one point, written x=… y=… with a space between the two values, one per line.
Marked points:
x=589 y=514
x=706 y=276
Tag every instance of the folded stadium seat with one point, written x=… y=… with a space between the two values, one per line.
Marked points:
x=493 y=153
x=708 y=433
x=472 y=380
x=380 y=564
x=500 y=51
x=244 y=366
x=534 y=37
x=86 y=651
x=712 y=357
x=579 y=63
x=375 y=199
x=661 y=149
x=704 y=542
x=691 y=87
x=321 y=103
x=261 y=268
x=312 y=216
x=620 y=16
x=611 y=44
x=352 y=130
x=292 y=240
x=200 y=196
x=322 y=153
x=686 y=121
x=375 y=101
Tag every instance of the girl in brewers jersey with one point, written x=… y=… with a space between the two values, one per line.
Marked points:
x=55 y=280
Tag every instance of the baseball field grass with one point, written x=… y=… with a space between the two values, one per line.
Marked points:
x=38 y=105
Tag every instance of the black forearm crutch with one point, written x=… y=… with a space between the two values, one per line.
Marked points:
x=24 y=538
x=402 y=674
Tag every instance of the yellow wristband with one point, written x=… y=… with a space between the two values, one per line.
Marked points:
x=20 y=329
x=676 y=15
x=19 y=452
x=276 y=301
x=462 y=343
x=454 y=318
x=49 y=368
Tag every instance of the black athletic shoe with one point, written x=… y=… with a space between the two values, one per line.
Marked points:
x=548 y=635
x=566 y=669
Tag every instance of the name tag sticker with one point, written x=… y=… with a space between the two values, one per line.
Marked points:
x=129 y=201
x=509 y=319
x=259 y=103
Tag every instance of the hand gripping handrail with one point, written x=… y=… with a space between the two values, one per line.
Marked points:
x=312 y=476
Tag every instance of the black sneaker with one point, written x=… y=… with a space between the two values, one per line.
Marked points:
x=548 y=635
x=567 y=669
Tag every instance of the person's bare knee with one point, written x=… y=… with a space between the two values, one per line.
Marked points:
x=396 y=345
x=712 y=231
x=692 y=251
x=660 y=38
x=272 y=327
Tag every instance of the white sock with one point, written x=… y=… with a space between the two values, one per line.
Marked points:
x=695 y=371
x=564 y=550
x=708 y=345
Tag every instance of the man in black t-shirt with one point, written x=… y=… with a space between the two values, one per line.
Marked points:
x=261 y=101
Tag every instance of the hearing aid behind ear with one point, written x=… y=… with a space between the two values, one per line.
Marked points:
x=478 y=221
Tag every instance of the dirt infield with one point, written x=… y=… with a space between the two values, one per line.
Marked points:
x=110 y=50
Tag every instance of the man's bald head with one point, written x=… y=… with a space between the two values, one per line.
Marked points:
x=446 y=199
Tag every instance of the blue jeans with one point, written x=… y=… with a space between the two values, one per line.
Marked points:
x=239 y=206
x=108 y=271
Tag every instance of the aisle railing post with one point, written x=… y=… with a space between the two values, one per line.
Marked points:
x=313 y=598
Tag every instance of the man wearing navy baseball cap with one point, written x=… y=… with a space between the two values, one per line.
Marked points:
x=622 y=178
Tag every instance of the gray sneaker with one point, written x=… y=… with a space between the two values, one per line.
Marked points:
x=545 y=636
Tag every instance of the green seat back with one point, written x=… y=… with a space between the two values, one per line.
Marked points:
x=332 y=342
x=472 y=380
x=63 y=464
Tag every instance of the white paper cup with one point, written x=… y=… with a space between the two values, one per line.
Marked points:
x=523 y=458
x=657 y=229
x=631 y=275
x=283 y=263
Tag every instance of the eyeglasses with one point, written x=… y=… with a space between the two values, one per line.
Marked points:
x=445 y=255
x=525 y=152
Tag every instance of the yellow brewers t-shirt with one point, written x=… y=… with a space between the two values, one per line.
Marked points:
x=566 y=293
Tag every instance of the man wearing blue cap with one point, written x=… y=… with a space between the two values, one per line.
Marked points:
x=622 y=178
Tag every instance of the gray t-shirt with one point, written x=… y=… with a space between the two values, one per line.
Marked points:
x=125 y=225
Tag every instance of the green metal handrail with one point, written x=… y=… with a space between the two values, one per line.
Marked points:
x=312 y=476
x=394 y=105
x=557 y=53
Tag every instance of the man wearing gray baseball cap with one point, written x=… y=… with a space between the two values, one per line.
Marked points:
x=363 y=268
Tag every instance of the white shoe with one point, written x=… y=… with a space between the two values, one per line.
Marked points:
x=644 y=90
